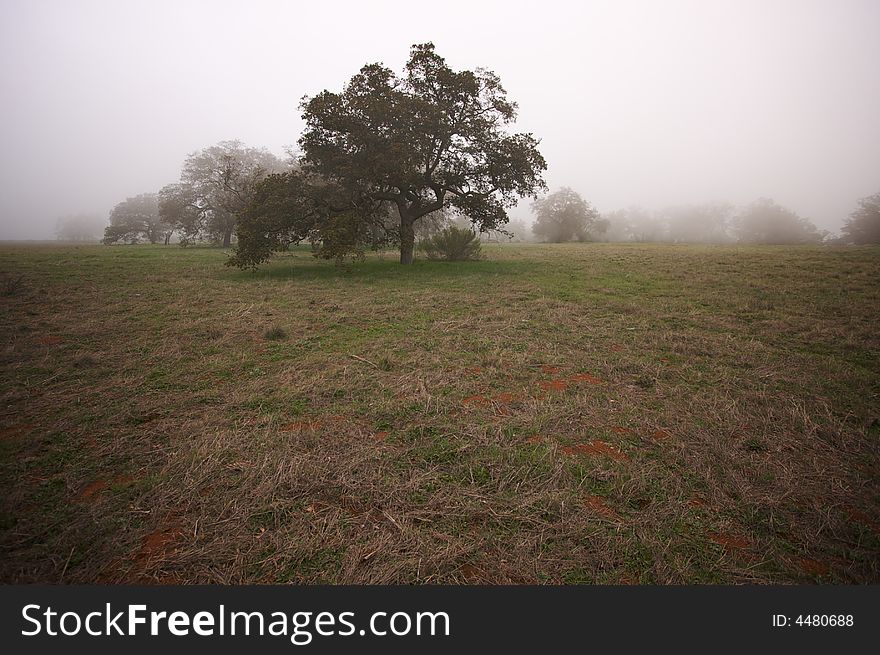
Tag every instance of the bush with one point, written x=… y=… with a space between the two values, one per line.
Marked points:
x=453 y=244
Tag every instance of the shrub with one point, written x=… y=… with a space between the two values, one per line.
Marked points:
x=452 y=244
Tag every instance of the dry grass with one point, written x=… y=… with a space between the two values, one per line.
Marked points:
x=558 y=414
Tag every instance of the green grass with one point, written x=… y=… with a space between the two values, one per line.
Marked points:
x=169 y=419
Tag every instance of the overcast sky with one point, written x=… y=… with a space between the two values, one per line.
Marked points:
x=648 y=103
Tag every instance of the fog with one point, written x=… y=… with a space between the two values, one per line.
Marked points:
x=636 y=103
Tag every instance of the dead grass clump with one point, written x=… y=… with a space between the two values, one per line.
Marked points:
x=275 y=333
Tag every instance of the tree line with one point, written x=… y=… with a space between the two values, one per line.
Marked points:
x=397 y=156
x=566 y=216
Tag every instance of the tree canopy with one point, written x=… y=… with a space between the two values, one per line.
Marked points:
x=80 y=227
x=764 y=221
x=565 y=216
x=863 y=225
x=216 y=185
x=705 y=223
x=429 y=139
x=135 y=219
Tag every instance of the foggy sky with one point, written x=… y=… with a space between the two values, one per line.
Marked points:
x=648 y=103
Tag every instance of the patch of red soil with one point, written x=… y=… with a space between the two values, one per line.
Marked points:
x=549 y=369
x=697 y=502
x=813 y=567
x=15 y=430
x=627 y=579
x=476 y=370
x=619 y=430
x=476 y=401
x=536 y=438
x=553 y=385
x=729 y=540
x=381 y=436
x=505 y=398
x=865 y=519
x=586 y=377
x=598 y=505
x=661 y=435
x=92 y=489
x=596 y=448
x=617 y=349
x=470 y=573
x=159 y=543
x=49 y=340
x=100 y=485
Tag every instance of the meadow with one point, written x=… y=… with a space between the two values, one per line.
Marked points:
x=584 y=413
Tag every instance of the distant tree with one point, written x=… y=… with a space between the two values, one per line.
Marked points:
x=565 y=216
x=430 y=224
x=216 y=185
x=517 y=231
x=80 y=227
x=179 y=209
x=634 y=224
x=766 y=222
x=707 y=223
x=863 y=225
x=135 y=219
x=430 y=139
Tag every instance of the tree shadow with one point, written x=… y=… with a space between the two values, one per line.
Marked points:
x=374 y=270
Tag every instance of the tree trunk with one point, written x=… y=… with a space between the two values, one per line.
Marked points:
x=167 y=238
x=407 y=241
x=227 y=237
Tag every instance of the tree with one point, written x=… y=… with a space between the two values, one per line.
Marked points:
x=179 y=209
x=565 y=216
x=216 y=185
x=134 y=219
x=863 y=225
x=517 y=231
x=80 y=227
x=706 y=223
x=766 y=222
x=429 y=139
x=295 y=206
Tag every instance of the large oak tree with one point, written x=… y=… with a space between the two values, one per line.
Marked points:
x=429 y=139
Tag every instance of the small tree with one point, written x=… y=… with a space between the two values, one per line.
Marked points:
x=863 y=225
x=134 y=219
x=565 y=216
x=452 y=244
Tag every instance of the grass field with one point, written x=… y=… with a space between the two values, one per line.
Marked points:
x=554 y=414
